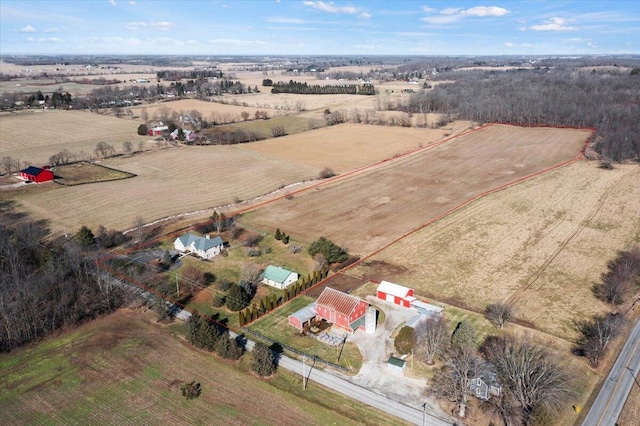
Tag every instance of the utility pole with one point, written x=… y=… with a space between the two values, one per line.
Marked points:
x=177 y=287
x=634 y=377
x=304 y=375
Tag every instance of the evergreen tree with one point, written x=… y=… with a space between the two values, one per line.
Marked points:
x=278 y=234
x=263 y=362
x=85 y=237
x=464 y=335
x=237 y=298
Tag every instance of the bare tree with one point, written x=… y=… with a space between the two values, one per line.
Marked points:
x=597 y=334
x=326 y=173
x=144 y=115
x=431 y=338
x=499 y=313
x=530 y=375
x=250 y=272
x=277 y=131
x=618 y=281
x=104 y=150
x=9 y=164
x=452 y=380
x=319 y=262
x=140 y=145
x=245 y=115
x=127 y=146
x=138 y=224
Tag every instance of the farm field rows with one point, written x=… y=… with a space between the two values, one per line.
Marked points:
x=541 y=244
x=347 y=146
x=35 y=135
x=368 y=210
x=168 y=182
x=205 y=108
x=123 y=369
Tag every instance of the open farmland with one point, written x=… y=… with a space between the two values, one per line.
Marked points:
x=368 y=210
x=541 y=244
x=168 y=182
x=347 y=146
x=35 y=135
x=123 y=369
x=207 y=109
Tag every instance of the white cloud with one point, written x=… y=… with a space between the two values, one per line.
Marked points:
x=162 y=25
x=31 y=39
x=54 y=40
x=527 y=45
x=27 y=29
x=166 y=41
x=452 y=14
x=52 y=30
x=191 y=42
x=508 y=44
x=485 y=11
x=331 y=7
x=115 y=40
x=113 y=2
x=281 y=20
x=132 y=2
x=553 y=24
x=133 y=26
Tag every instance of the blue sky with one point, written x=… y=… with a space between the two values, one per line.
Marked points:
x=312 y=27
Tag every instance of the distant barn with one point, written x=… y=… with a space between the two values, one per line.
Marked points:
x=36 y=174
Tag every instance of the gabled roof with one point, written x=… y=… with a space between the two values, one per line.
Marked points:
x=32 y=170
x=276 y=273
x=200 y=243
x=338 y=301
x=394 y=289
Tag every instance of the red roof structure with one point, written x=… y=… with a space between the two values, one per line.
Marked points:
x=341 y=309
x=36 y=174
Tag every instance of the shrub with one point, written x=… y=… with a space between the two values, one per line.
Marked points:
x=191 y=390
x=218 y=301
x=253 y=251
x=237 y=298
x=331 y=251
x=224 y=284
x=263 y=363
x=326 y=173
x=405 y=340
x=143 y=130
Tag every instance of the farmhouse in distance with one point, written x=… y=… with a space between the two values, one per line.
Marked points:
x=204 y=247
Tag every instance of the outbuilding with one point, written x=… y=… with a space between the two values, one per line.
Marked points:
x=342 y=309
x=278 y=277
x=158 y=131
x=36 y=174
x=396 y=364
x=395 y=293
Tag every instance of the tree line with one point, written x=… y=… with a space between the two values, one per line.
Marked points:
x=553 y=97
x=315 y=89
x=46 y=285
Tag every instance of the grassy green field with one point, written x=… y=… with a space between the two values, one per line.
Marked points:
x=125 y=369
x=275 y=326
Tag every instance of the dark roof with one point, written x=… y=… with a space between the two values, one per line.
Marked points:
x=397 y=362
x=32 y=170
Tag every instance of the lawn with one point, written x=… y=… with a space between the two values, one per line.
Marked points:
x=81 y=173
x=125 y=369
x=275 y=326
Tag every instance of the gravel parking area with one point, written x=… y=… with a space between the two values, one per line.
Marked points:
x=376 y=349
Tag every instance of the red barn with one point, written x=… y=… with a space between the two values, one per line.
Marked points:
x=158 y=131
x=341 y=309
x=36 y=174
x=395 y=293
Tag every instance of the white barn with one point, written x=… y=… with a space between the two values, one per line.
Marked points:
x=278 y=277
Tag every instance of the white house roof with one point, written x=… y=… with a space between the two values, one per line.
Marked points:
x=426 y=307
x=200 y=243
x=394 y=289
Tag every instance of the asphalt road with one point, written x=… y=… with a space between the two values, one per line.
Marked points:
x=615 y=390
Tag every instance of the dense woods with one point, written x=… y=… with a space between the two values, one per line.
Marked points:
x=45 y=286
x=554 y=97
x=315 y=89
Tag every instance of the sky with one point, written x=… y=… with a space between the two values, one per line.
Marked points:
x=315 y=27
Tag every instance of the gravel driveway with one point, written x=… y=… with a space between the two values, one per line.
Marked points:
x=376 y=349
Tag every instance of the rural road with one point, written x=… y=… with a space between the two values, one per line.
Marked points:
x=411 y=414
x=613 y=394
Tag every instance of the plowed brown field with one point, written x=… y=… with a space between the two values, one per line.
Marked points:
x=368 y=210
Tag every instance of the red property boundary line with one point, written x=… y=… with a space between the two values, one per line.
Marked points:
x=476 y=197
x=379 y=250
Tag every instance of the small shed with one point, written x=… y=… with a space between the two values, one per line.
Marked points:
x=278 y=277
x=395 y=293
x=302 y=317
x=426 y=308
x=36 y=174
x=396 y=364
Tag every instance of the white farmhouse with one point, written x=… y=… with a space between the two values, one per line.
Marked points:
x=204 y=247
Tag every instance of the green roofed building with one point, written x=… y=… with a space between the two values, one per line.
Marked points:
x=278 y=277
